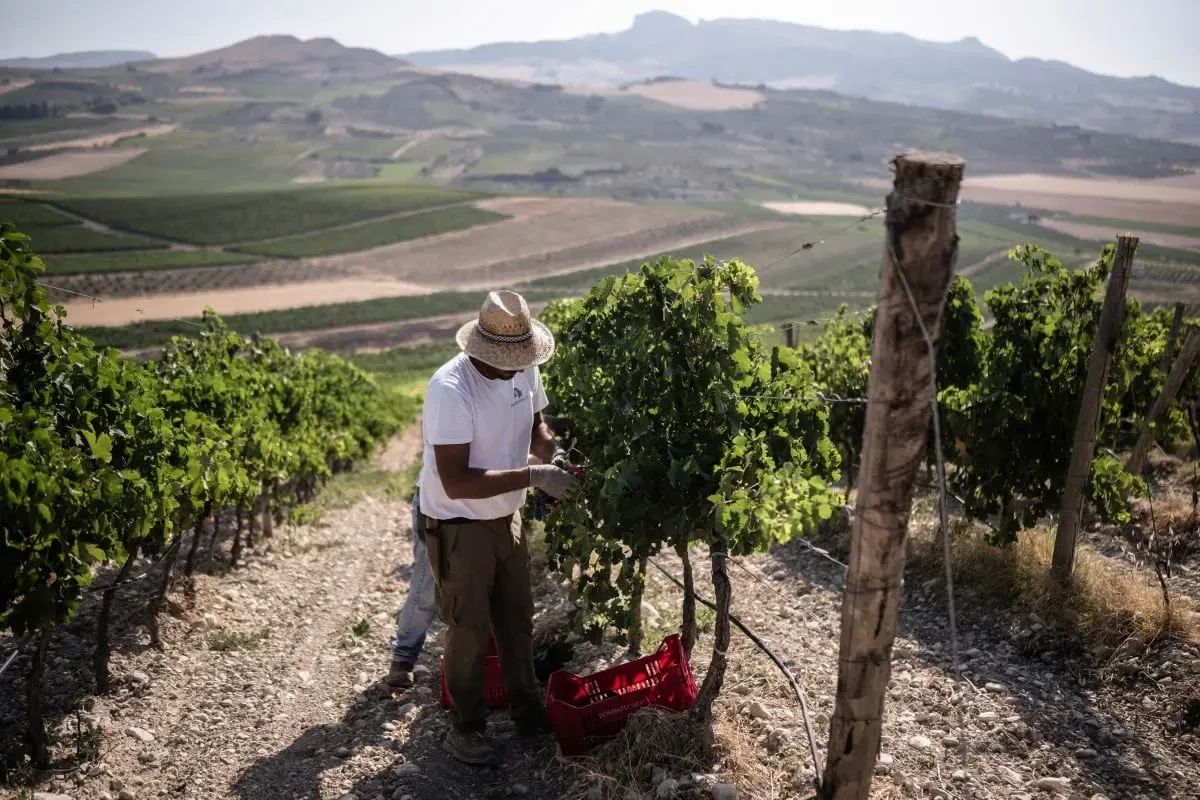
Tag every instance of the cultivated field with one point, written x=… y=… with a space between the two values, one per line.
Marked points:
x=1085 y=230
x=533 y=238
x=231 y=217
x=369 y=235
x=125 y=311
x=543 y=236
x=1171 y=201
x=810 y=208
x=1148 y=201
x=60 y=166
x=138 y=260
x=697 y=95
x=107 y=139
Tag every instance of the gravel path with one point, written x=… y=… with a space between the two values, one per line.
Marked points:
x=270 y=689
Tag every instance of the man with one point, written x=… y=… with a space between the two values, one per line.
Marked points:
x=481 y=422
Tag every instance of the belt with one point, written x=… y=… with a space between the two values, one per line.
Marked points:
x=456 y=521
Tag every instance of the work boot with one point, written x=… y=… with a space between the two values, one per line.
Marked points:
x=534 y=722
x=469 y=747
x=400 y=676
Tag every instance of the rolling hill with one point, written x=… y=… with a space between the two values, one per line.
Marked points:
x=277 y=109
x=964 y=76
x=86 y=59
x=280 y=56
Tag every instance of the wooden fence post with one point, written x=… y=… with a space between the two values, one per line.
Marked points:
x=922 y=247
x=789 y=334
x=1112 y=314
x=1179 y=373
x=1168 y=356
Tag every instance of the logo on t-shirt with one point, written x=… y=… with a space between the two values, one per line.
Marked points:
x=518 y=396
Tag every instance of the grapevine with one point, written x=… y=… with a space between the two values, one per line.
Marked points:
x=103 y=458
x=692 y=430
x=1016 y=423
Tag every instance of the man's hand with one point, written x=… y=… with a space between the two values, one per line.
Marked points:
x=554 y=481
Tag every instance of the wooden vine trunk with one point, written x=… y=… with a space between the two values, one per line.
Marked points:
x=35 y=725
x=268 y=521
x=198 y=534
x=715 y=677
x=160 y=598
x=688 y=632
x=921 y=242
x=235 y=553
x=636 y=628
x=102 y=652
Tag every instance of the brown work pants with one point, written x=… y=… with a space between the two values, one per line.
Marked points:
x=481 y=570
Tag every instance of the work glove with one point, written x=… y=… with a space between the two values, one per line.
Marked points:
x=554 y=481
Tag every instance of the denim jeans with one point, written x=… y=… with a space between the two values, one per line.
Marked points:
x=420 y=607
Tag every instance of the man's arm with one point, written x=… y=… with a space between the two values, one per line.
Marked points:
x=464 y=482
x=541 y=441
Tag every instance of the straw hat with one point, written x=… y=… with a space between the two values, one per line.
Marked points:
x=506 y=336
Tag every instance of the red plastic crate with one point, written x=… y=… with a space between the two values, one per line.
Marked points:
x=586 y=711
x=494 y=694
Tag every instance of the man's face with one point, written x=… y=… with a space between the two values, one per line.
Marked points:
x=491 y=373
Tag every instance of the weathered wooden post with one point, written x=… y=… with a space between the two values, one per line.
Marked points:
x=1179 y=373
x=1112 y=314
x=1168 y=356
x=789 y=334
x=918 y=261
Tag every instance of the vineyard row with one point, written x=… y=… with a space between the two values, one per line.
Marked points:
x=103 y=459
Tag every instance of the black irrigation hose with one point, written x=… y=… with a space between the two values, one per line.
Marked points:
x=787 y=673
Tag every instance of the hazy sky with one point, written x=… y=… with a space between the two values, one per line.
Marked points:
x=1115 y=37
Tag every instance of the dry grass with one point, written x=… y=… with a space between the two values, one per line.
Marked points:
x=652 y=738
x=1104 y=602
x=726 y=752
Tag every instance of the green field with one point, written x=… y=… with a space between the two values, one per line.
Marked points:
x=187 y=162
x=11 y=129
x=1169 y=272
x=847 y=254
x=400 y=172
x=135 y=260
x=248 y=216
x=768 y=252
x=309 y=318
x=376 y=234
x=363 y=148
x=26 y=214
x=78 y=239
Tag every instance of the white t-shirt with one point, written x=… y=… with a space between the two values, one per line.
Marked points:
x=494 y=416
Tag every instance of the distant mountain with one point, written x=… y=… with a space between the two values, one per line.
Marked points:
x=965 y=75
x=298 y=58
x=88 y=59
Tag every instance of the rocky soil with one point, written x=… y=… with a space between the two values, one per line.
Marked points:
x=269 y=688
